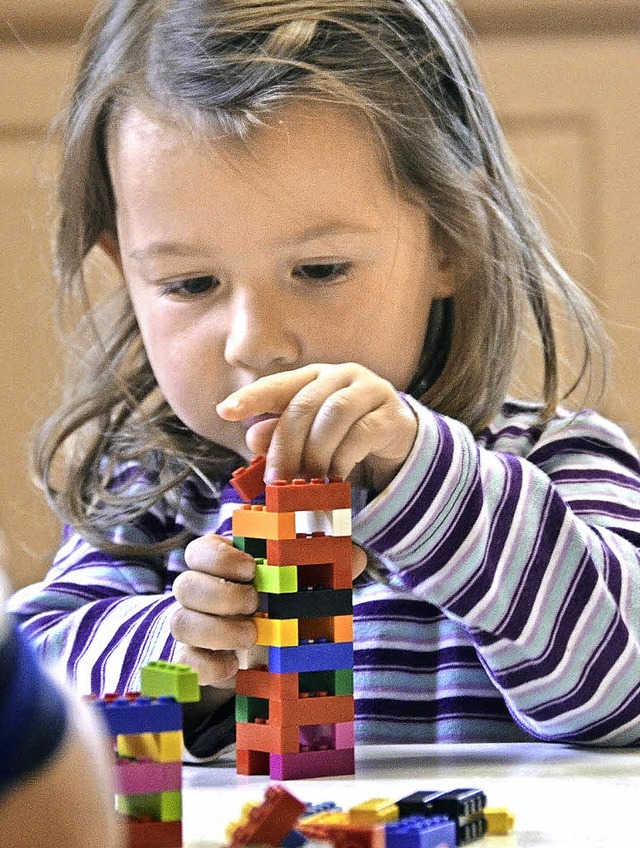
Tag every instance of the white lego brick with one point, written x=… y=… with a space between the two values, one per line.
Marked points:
x=335 y=522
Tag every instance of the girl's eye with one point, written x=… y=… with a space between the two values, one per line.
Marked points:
x=191 y=286
x=322 y=272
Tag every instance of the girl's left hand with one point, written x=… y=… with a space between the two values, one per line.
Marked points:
x=329 y=420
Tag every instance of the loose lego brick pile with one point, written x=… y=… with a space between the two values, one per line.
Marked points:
x=421 y=820
x=294 y=697
x=146 y=729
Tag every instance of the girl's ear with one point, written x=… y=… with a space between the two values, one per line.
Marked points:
x=445 y=284
x=110 y=246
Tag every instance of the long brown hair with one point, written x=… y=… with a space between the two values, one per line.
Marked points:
x=211 y=64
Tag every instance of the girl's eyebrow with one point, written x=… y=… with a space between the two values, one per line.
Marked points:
x=159 y=249
x=332 y=228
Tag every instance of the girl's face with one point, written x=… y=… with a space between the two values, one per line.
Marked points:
x=244 y=259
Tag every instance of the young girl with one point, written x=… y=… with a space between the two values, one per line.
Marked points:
x=326 y=257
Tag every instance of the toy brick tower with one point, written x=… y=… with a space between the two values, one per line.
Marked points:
x=295 y=712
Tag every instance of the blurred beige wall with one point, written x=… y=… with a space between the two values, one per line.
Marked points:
x=564 y=75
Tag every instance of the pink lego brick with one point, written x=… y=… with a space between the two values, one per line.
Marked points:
x=344 y=735
x=312 y=764
x=142 y=777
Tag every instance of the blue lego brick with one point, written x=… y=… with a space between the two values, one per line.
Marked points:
x=319 y=656
x=294 y=839
x=421 y=832
x=322 y=807
x=124 y=717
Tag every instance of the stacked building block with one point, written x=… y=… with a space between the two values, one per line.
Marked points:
x=295 y=711
x=146 y=728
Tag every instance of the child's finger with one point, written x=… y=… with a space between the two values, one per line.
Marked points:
x=359 y=561
x=213 y=595
x=338 y=412
x=215 y=668
x=215 y=555
x=270 y=394
x=211 y=632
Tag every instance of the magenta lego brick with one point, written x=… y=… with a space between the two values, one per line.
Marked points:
x=319 y=656
x=421 y=832
x=142 y=777
x=311 y=764
x=127 y=717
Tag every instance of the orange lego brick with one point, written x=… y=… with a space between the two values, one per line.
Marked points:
x=257 y=523
x=330 y=709
x=336 y=829
x=336 y=628
x=310 y=550
x=269 y=737
x=271 y=821
x=308 y=495
x=260 y=683
x=249 y=482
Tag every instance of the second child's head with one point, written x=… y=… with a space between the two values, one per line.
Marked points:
x=287 y=181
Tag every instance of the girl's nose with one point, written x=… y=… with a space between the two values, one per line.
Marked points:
x=259 y=338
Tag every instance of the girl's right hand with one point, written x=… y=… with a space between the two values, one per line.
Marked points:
x=217 y=600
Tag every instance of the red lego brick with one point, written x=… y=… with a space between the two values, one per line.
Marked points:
x=271 y=821
x=252 y=763
x=337 y=575
x=249 y=482
x=307 y=495
x=317 y=549
x=142 y=833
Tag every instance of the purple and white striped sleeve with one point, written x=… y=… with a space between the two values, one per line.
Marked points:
x=535 y=552
x=96 y=620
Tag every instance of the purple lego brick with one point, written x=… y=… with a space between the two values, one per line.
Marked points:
x=311 y=764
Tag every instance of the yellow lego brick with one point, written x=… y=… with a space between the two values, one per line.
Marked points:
x=374 y=811
x=256 y=523
x=277 y=632
x=500 y=821
x=159 y=747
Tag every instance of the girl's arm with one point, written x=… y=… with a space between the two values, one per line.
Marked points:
x=536 y=557
x=96 y=619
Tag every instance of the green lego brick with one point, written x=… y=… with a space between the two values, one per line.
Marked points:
x=254 y=547
x=159 y=806
x=276 y=579
x=177 y=680
x=248 y=709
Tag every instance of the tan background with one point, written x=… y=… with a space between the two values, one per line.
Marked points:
x=565 y=78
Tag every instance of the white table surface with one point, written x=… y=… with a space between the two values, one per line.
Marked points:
x=560 y=796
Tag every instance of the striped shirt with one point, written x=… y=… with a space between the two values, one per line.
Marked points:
x=500 y=603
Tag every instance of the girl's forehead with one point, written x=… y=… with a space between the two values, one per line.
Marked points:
x=302 y=129
x=299 y=144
